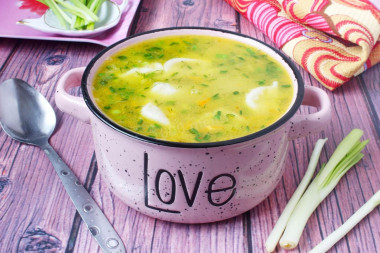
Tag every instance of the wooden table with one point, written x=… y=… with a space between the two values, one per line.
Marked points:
x=36 y=214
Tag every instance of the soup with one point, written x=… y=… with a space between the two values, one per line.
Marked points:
x=192 y=88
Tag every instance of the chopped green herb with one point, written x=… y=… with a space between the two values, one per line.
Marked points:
x=140 y=122
x=261 y=82
x=154 y=49
x=206 y=137
x=235 y=92
x=286 y=86
x=106 y=77
x=216 y=96
x=252 y=53
x=122 y=57
x=125 y=94
x=154 y=127
x=217 y=115
x=198 y=138
x=223 y=71
x=170 y=102
x=272 y=69
x=107 y=107
x=148 y=56
x=194 y=131
x=222 y=56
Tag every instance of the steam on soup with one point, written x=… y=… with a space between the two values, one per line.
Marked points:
x=192 y=89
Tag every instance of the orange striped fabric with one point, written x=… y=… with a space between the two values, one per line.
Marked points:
x=333 y=40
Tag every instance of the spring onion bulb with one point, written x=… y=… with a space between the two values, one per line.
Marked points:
x=339 y=233
x=346 y=155
x=279 y=228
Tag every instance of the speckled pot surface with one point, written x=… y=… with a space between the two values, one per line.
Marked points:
x=191 y=182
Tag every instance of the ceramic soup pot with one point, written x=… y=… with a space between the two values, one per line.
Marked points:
x=191 y=182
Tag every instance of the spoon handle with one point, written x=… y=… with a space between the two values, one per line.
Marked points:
x=96 y=221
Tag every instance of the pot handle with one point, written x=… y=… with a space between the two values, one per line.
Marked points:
x=75 y=106
x=302 y=125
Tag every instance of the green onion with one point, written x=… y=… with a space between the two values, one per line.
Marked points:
x=79 y=22
x=79 y=14
x=85 y=9
x=339 y=233
x=279 y=228
x=58 y=12
x=346 y=155
x=78 y=11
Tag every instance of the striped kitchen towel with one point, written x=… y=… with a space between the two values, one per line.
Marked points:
x=334 y=40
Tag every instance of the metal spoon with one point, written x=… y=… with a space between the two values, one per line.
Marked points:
x=27 y=116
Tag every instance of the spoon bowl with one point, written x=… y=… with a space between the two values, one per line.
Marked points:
x=109 y=16
x=26 y=116
x=16 y=117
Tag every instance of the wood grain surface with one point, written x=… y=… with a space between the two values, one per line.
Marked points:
x=36 y=214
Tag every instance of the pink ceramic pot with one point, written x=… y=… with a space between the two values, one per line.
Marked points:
x=191 y=182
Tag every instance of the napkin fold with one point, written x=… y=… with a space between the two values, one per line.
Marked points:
x=334 y=40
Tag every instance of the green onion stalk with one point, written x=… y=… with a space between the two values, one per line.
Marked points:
x=279 y=228
x=94 y=6
x=77 y=14
x=62 y=17
x=346 y=155
x=339 y=233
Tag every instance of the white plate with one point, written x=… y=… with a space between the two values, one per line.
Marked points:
x=109 y=16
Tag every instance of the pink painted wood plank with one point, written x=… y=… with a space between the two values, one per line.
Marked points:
x=160 y=14
x=6 y=47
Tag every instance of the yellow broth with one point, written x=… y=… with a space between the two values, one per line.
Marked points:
x=192 y=88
